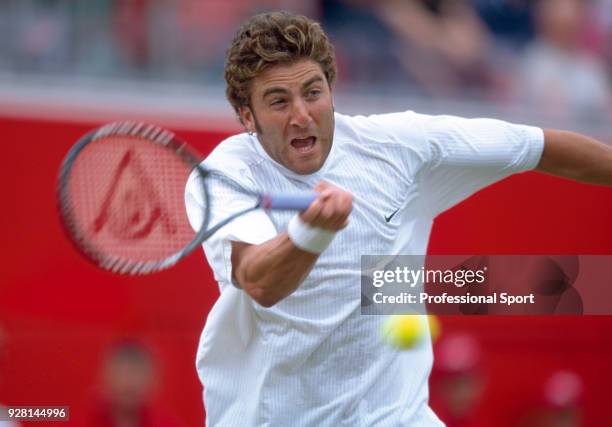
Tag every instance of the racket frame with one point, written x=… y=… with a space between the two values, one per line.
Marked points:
x=168 y=140
x=152 y=134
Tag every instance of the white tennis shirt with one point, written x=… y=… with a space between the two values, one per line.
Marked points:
x=313 y=359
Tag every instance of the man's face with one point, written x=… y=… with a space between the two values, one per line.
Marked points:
x=292 y=112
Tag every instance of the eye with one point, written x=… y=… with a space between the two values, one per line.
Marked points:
x=278 y=102
x=314 y=93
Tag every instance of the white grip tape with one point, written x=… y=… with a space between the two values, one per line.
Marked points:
x=308 y=238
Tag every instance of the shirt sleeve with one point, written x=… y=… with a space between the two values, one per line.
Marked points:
x=466 y=155
x=226 y=197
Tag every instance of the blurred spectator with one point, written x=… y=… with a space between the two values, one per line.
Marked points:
x=42 y=40
x=92 y=45
x=187 y=38
x=130 y=27
x=559 y=76
x=558 y=405
x=126 y=394
x=2 y=408
x=445 y=45
x=438 y=45
x=439 y=48
x=363 y=43
x=458 y=380
x=509 y=21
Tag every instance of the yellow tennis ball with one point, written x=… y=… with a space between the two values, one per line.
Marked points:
x=404 y=331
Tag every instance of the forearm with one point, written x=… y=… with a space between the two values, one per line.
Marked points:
x=575 y=156
x=272 y=270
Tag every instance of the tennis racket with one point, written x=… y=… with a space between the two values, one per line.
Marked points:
x=120 y=195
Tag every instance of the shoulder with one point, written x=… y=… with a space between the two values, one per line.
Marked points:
x=235 y=157
x=400 y=127
x=399 y=136
x=235 y=151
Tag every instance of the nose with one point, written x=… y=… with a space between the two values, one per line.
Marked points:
x=300 y=116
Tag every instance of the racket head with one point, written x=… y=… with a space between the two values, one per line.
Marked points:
x=120 y=195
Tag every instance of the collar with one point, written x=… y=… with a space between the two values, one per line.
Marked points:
x=311 y=179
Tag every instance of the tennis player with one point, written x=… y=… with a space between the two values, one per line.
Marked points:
x=285 y=344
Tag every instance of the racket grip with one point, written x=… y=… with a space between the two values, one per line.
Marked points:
x=279 y=201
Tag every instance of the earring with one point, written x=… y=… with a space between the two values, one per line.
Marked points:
x=250 y=132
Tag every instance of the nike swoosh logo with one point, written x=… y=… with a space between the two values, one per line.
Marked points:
x=388 y=218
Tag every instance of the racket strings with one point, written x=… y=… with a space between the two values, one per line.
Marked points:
x=224 y=194
x=127 y=200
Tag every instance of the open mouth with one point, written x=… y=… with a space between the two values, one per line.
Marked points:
x=303 y=145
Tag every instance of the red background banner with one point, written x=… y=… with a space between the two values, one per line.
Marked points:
x=60 y=312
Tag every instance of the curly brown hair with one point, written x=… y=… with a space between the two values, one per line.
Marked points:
x=273 y=38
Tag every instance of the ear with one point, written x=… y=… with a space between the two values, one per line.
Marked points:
x=247 y=119
x=331 y=96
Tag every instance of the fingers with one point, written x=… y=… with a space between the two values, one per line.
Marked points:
x=312 y=212
x=331 y=208
x=322 y=185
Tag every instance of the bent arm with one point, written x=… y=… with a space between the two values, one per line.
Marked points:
x=271 y=271
x=577 y=157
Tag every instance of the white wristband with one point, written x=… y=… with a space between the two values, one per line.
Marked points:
x=308 y=238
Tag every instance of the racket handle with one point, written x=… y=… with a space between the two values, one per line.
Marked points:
x=279 y=201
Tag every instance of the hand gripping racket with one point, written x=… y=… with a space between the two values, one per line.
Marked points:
x=121 y=199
